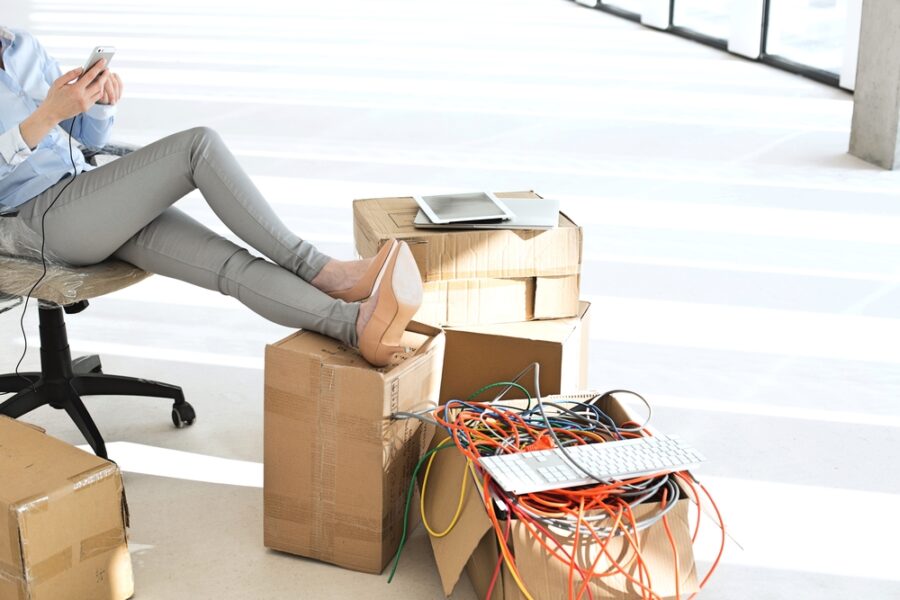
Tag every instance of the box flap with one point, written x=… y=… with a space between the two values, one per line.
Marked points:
x=442 y=490
x=551 y=330
x=479 y=355
x=419 y=339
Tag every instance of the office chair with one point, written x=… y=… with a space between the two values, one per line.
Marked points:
x=62 y=381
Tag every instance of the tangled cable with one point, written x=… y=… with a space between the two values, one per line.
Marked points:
x=596 y=513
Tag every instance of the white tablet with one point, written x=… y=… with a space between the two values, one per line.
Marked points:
x=537 y=213
x=457 y=208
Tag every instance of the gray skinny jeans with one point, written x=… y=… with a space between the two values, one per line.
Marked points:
x=124 y=209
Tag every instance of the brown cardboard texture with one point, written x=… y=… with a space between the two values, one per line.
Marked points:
x=336 y=466
x=462 y=302
x=469 y=254
x=477 y=356
x=63 y=521
x=473 y=544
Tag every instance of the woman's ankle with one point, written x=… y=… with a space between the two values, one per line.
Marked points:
x=340 y=274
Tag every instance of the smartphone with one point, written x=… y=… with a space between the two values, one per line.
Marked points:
x=97 y=53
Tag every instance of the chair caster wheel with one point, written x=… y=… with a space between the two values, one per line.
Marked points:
x=183 y=415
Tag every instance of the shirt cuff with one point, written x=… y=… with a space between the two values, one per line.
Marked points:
x=13 y=146
x=101 y=112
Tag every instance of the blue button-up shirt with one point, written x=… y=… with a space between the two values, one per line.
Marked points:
x=24 y=81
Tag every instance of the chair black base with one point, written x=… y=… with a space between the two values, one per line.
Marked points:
x=62 y=381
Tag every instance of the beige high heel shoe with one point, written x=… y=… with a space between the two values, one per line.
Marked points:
x=366 y=284
x=400 y=292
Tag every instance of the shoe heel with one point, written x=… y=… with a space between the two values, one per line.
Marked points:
x=405 y=279
x=406 y=292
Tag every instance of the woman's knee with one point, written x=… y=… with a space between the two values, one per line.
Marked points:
x=202 y=132
x=202 y=136
x=202 y=140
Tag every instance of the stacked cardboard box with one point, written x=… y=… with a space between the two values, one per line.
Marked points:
x=63 y=511
x=477 y=277
x=336 y=466
x=506 y=297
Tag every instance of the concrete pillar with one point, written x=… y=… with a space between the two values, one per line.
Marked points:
x=875 y=133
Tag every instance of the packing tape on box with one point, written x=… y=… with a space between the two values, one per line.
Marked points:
x=344 y=524
x=88 y=478
x=323 y=460
x=34 y=505
x=357 y=428
x=102 y=543
x=10 y=573
x=283 y=404
x=50 y=567
x=14 y=539
x=284 y=508
x=349 y=525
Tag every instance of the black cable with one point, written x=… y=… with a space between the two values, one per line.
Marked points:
x=572 y=414
x=43 y=256
x=540 y=405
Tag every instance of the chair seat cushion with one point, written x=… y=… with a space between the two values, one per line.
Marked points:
x=65 y=284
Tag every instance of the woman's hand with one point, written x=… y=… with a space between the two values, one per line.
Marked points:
x=112 y=91
x=70 y=95
x=73 y=93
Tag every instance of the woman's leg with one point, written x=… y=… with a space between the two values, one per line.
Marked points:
x=177 y=246
x=103 y=208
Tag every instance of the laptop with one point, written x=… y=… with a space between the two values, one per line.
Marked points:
x=538 y=213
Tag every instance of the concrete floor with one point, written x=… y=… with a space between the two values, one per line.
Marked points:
x=743 y=268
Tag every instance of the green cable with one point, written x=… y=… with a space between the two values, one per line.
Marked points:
x=507 y=384
x=409 y=495
x=425 y=457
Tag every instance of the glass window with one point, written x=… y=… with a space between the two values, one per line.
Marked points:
x=710 y=17
x=810 y=32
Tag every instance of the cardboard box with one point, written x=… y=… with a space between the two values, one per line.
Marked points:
x=63 y=515
x=476 y=356
x=473 y=254
x=337 y=468
x=472 y=543
x=462 y=302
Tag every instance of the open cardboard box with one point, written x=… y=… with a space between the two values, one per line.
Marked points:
x=472 y=543
x=337 y=468
x=478 y=355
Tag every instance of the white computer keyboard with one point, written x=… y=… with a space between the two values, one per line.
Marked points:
x=540 y=470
